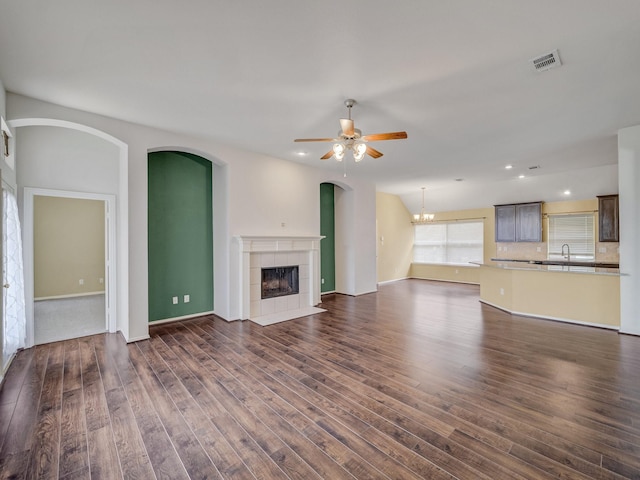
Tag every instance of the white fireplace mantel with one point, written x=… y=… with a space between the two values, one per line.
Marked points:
x=257 y=251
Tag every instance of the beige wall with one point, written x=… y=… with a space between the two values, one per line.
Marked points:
x=68 y=246
x=574 y=297
x=456 y=273
x=395 y=238
x=605 y=252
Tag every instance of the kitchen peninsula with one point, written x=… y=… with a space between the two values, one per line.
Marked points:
x=588 y=295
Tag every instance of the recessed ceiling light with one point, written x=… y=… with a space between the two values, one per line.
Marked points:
x=567 y=192
x=302 y=154
x=520 y=176
x=458 y=179
x=508 y=167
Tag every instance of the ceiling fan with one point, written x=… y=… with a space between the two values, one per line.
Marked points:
x=351 y=138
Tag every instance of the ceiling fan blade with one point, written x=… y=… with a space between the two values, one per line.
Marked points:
x=327 y=155
x=315 y=140
x=347 y=127
x=374 y=137
x=372 y=152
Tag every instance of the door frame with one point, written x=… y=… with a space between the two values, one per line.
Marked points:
x=110 y=253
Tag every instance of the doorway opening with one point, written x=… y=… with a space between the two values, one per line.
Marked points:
x=71 y=241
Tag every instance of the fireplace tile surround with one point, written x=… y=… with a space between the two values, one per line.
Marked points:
x=257 y=252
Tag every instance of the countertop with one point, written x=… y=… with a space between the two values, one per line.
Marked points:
x=539 y=267
x=566 y=263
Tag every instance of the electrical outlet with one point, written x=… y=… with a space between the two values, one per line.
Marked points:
x=187 y=299
x=175 y=300
x=602 y=249
x=81 y=281
x=538 y=249
x=322 y=281
x=101 y=280
x=456 y=270
x=502 y=291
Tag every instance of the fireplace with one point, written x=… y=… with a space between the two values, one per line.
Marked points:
x=279 y=281
x=291 y=294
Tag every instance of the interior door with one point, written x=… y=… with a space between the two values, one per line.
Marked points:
x=13 y=306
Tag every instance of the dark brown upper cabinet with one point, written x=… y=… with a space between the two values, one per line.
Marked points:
x=519 y=222
x=608 y=218
x=505 y=223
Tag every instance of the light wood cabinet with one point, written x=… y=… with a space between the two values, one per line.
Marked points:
x=519 y=222
x=608 y=218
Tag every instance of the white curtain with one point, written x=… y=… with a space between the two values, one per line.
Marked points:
x=14 y=321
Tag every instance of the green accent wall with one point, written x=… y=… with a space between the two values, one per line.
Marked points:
x=328 y=244
x=180 y=229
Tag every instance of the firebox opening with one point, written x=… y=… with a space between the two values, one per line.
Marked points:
x=279 y=281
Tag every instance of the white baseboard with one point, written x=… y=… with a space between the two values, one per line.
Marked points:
x=176 y=319
x=72 y=295
x=554 y=319
x=137 y=339
x=393 y=281
x=443 y=280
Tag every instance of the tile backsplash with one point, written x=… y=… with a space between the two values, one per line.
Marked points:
x=605 y=252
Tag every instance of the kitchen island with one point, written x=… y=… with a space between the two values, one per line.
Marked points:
x=587 y=295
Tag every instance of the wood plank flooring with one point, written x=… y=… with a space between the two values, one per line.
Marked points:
x=419 y=380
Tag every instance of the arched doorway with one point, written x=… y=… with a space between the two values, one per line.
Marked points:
x=75 y=173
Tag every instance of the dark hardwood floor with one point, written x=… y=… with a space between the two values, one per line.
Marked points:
x=419 y=380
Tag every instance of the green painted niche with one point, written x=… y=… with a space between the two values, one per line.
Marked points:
x=327 y=244
x=180 y=234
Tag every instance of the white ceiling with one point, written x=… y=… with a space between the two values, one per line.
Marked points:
x=454 y=74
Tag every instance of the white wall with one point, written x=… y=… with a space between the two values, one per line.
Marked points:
x=355 y=232
x=3 y=101
x=64 y=159
x=629 y=191
x=8 y=173
x=260 y=194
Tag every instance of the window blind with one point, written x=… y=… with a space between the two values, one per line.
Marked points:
x=576 y=230
x=454 y=242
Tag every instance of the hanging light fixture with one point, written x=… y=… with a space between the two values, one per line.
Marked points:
x=422 y=217
x=358 y=151
x=338 y=151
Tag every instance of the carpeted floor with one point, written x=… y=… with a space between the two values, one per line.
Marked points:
x=65 y=318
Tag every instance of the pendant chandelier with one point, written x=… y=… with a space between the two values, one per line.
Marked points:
x=422 y=217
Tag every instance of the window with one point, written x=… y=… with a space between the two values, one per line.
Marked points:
x=577 y=231
x=455 y=242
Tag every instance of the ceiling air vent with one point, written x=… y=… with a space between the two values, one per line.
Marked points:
x=546 y=62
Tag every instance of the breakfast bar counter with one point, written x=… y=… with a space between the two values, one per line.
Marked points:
x=586 y=295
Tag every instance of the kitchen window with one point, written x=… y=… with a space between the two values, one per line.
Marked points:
x=577 y=231
x=455 y=243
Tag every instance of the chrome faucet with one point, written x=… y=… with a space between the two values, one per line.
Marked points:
x=568 y=255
